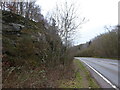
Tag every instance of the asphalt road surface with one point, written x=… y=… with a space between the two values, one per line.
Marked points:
x=105 y=71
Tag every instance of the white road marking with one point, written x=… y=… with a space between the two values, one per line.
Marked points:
x=101 y=76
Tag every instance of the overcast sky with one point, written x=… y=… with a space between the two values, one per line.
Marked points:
x=98 y=12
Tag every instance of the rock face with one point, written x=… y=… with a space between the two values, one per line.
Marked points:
x=17 y=27
x=12 y=28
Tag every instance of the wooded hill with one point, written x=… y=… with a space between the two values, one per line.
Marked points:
x=104 y=45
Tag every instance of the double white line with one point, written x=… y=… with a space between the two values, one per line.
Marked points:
x=101 y=76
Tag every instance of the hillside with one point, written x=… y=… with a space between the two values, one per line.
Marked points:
x=33 y=56
x=104 y=45
x=31 y=51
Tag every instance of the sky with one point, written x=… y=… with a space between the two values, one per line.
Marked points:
x=98 y=13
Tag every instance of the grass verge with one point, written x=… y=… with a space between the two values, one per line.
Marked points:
x=107 y=58
x=81 y=79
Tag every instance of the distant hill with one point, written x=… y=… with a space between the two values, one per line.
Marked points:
x=76 y=49
x=104 y=45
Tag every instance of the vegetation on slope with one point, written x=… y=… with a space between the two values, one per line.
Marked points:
x=29 y=54
x=34 y=54
x=104 y=45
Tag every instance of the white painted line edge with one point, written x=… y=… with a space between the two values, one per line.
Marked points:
x=101 y=75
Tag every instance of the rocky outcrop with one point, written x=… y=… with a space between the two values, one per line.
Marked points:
x=12 y=28
x=17 y=27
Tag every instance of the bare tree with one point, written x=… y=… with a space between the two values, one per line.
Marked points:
x=66 y=19
x=21 y=8
x=3 y=5
x=36 y=13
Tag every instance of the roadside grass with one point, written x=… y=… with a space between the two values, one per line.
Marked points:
x=81 y=79
x=103 y=58
x=107 y=58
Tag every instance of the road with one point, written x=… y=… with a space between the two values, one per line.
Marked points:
x=105 y=71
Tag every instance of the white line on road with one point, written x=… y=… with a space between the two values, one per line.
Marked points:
x=101 y=76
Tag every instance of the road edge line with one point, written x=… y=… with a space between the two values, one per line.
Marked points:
x=100 y=75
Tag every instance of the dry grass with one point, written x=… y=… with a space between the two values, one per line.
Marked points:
x=82 y=78
x=22 y=77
